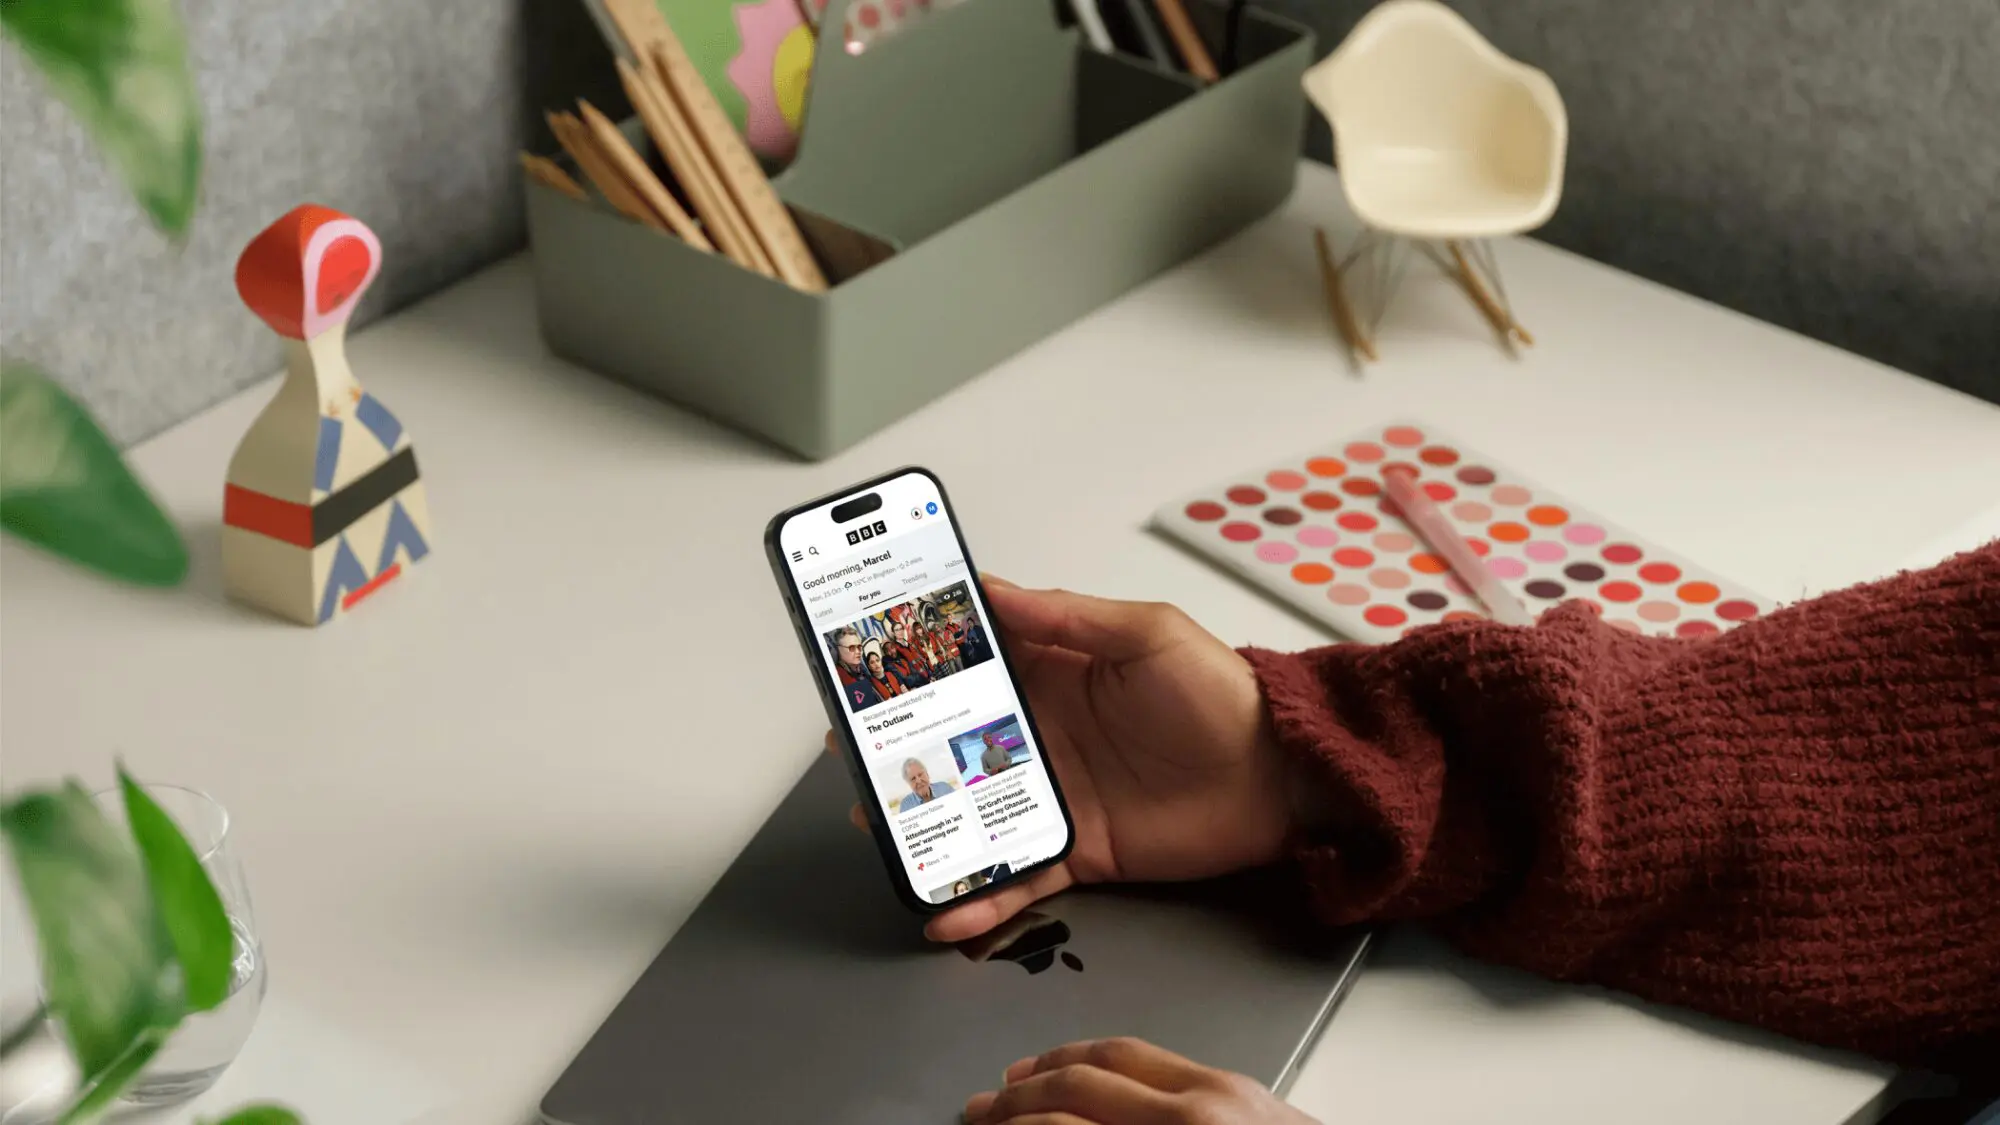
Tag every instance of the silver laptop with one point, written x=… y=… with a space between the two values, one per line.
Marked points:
x=801 y=990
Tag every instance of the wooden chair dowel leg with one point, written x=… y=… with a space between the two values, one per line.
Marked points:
x=1336 y=300
x=1498 y=317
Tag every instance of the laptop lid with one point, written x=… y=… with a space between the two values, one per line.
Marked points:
x=801 y=990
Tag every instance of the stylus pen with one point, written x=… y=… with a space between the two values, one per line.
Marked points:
x=1092 y=22
x=1430 y=525
x=1151 y=39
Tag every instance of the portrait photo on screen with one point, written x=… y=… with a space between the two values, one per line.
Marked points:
x=906 y=782
x=906 y=646
x=989 y=749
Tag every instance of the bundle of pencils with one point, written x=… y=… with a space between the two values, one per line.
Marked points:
x=735 y=210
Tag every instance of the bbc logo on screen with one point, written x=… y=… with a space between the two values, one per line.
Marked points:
x=867 y=531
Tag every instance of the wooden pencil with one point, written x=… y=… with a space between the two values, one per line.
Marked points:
x=639 y=23
x=652 y=41
x=683 y=157
x=740 y=182
x=741 y=175
x=613 y=145
x=548 y=172
x=576 y=141
x=1193 y=52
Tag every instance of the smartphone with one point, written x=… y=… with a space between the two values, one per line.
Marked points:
x=932 y=721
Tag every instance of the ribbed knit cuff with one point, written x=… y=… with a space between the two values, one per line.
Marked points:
x=1326 y=815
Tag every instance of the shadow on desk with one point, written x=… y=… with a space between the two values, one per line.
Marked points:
x=202 y=593
x=480 y=342
x=1268 y=277
x=1416 y=952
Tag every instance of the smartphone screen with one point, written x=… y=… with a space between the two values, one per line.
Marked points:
x=898 y=633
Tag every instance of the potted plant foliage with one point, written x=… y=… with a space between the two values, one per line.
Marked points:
x=132 y=935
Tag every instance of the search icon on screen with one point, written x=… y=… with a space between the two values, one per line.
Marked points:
x=812 y=550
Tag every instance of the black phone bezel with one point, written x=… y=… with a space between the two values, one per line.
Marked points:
x=837 y=715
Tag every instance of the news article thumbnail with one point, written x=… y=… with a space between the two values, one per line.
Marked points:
x=963 y=885
x=908 y=645
x=907 y=782
x=989 y=750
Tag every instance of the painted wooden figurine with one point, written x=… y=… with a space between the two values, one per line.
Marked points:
x=323 y=505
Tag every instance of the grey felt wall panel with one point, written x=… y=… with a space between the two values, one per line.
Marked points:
x=405 y=114
x=1829 y=165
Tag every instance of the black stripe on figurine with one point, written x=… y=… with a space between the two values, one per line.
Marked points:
x=338 y=512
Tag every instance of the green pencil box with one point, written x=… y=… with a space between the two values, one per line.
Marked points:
x=970 y=186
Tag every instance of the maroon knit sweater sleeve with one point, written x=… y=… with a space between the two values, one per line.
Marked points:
x=1795 y=824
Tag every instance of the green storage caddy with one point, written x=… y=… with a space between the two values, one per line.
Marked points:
x=971 y=186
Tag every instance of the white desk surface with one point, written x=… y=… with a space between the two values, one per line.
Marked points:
x=472 y=812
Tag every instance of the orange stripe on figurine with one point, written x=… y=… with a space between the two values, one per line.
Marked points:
x=323 y=505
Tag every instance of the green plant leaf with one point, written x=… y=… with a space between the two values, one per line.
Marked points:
x=107 y=960
x=121 y=65
x=186 y=900
x=102 y=1089
x=64 y=487
x=260 y=1115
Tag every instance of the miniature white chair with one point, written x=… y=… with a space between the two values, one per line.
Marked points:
x=1442 y=142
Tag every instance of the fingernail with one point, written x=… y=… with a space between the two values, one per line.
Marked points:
x=1020 y=1070
x=996 y=580
x=976 y=1107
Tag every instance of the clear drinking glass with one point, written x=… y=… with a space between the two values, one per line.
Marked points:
x=205 y=1043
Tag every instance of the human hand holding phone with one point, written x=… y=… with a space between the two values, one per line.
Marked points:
x=1157 y=732
x=930 y=716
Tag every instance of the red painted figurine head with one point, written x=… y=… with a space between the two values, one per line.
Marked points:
x=308 y=270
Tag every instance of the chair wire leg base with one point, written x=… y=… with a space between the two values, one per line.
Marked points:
x=1359 y=285
x=1477 y=271
x=1386 y=255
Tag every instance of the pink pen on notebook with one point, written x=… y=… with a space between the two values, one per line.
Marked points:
x=1423 y=517
x=1322 y=530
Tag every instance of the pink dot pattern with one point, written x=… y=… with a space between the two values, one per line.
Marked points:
x=1387 y=580
x=1274 y=551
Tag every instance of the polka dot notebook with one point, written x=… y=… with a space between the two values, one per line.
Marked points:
x=1321 y=533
